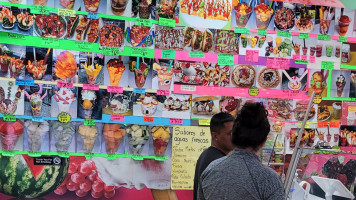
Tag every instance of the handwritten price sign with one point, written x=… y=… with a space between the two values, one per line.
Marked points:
x=61 y=84
x=252 y=55
x=176 y=121
x=149 y=119
x=89 y=122
x=163 y=92
x=90 y=87
x=9 y=118
x=115 y=89
x=117 y=117
x=64 y=117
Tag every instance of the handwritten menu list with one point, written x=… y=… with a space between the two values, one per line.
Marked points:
x=187 y=145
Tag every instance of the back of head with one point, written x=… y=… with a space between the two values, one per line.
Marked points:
x=251 y=126
x=218 y=120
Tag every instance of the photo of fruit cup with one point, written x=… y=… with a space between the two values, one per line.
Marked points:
x=161 y=136
x=164 y=74
x=242 y=13
x=118 y=6
x=329 y=50
x=88 y=135
x=88 y=102
x=138 y=136
x=92 y=72
x=344 y=22
x=141 y=72
x=40 y=2
x=16 y=66
x=10 y=133
x=324 y=26
x=36 y=104
x=91 y=5
x=113 y=135
x=319 y=50
x=36 y=132
x=4 y=63
x=263 y=15
x=63 y=134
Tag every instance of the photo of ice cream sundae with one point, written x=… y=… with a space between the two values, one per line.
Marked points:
x=36 y=99
x=138 y=136
x=10 y=133
x=113 y=134
x=88 y=102
x=189 y=72
x=161 y=136
x=88 y=135
x=177 y=105
x=64 y=97
x=37 y=134
x=10 y=99
x=148 y=104
x=119 y=103
x=164 y=73
x=62 y=136
x=340 y=84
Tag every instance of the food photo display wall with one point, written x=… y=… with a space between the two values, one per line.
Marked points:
x=89 y=86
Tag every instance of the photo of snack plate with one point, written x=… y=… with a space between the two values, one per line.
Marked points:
x=305 y=18
x=112 y=33
x=329 y=111
x=51 y=26
x=16 y=20
x=139 y=36
x=281 y=109
x=308 y=137
x=178 y=106
x=243 y=76
x=230 y=104
x=12 y=61
x=226 y=41
x=144 y=9
x=284 y=17
x=198 y=39
x=216 y=75
x=300 y=109
x=167 y=9
x=82 y=28
x=269 y=78
x=204 y=106
x=169 y=38
x=118 y=103
x=191 y=73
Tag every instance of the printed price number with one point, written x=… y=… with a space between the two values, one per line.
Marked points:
x=303 y=35
x=64 y=117
x=242 y=30
x=9 y=118
x=38 y=9
x=115 y=89
x=334 y=124
x=90 y=87
x=50 y=42
x=253 y=91
x=111 y=51
x=327 y=65
x=284 y=33
x=322 y=124
x=324 y=37
x=64 y=84
x=34 y=153
x=166 y=22
x=342 y=38
x=16 y=36
x=262 y=32
x=24 y=82
x=168 y=54
x=66 y=12
x=225 y=59
x=163 y=92
x=194 y=54
x=117 y=117
x=317 y=99
x=89 y=122
x=176 y=121
x=91 y=15
x=149 y=119
x=312 y=59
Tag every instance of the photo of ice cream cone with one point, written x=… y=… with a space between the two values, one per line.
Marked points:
x=10 y=133
x=113 y=134
x=161 y=136
x=89 y=135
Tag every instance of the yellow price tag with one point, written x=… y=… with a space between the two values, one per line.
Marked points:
x=204 y=122
x=64 y=117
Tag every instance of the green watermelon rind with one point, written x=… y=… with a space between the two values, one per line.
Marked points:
x=17 y=180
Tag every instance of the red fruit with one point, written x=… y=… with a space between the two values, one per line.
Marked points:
x=186 y=78
x=81 y=193
x=73 y=168
x=342 y=178
x=86 y=167
x=85 y=186
x=97 y=186
x=77 y=159
x=71 y=186
x=197 y=79
x=176 y=19
x=66 y=180
x=60 y=190
x=109 y=195
x=93 y=175
x=97 y=195
x=77 y=178
x=109 y=188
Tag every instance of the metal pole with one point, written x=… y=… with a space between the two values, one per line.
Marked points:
x=296 y=153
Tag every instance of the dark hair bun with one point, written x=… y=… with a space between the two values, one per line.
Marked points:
x=252 y=115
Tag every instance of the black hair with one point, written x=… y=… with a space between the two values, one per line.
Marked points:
x=251 y=126
x=218 y=120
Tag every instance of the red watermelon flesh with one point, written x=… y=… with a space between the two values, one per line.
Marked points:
x=36 y=170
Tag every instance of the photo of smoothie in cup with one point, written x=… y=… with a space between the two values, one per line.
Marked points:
x=242 y=13
x=243 y=41
x=319 y=50
x=329 y=50
x=337 y=51
x=296 y=48
x=305 y=50
x=118 y=6
x=263 y=15
x=164 y=74
x=344 y=22
x=336 y=137
x=337 y=110
x=312 y=51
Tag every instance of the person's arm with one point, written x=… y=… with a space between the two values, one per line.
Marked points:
x=200 y=190
x=276 y=188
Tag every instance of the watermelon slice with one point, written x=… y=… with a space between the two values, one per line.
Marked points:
x=36 y=170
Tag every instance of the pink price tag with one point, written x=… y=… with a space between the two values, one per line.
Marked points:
x=163 y=92
x=175 y=121
x=90 y=87
x=271 y=63
x=282 y=63
x=296 y=57
x=304 y=57
x=117 y=117
x=115 y=89
x=251 y=56
x=64 y=84
x=312 y=59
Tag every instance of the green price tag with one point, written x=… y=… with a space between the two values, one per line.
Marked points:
x=166 y=22
x=317 y=99
x=195 y=54
x=111 y=51
x=34 y=153
x=8 y=153
x=242 y=30
x=9 y=118
x=225 y=59
x=168 y=54
x=38 y=9
x=112 y=156
x=253 y=91
x=64 y=117
x=262 y=32
x=160 y=158
x=16 y=36
x=283 y=33
x=327 y=65
x=303 y=35
x=143 y=22
x=84 y=45
x=303 y=62
x=66 y=12
x=49 y=42
x=204 y=122
x=137 y=157
x=139 y=52
x=324 y=37
x=89 y=122
x=88 y=155
x=63 y=154
x=342 y=39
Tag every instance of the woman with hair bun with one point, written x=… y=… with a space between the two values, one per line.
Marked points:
x=241 y=175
